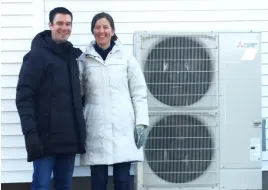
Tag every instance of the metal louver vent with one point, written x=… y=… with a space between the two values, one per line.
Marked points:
x=179 y=148
x=178 y=70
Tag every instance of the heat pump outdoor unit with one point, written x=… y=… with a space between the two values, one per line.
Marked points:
x=204 y=98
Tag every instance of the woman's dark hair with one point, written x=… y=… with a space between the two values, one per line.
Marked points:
x=110 y=20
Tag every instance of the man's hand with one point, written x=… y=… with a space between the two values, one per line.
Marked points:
x=139 y=135
x=33 y=146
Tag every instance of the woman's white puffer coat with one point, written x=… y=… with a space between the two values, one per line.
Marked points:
x=115 y=102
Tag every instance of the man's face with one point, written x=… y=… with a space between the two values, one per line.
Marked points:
x=61 y=27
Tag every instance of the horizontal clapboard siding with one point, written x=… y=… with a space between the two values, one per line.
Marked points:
x=20 y=20
x=129 y=16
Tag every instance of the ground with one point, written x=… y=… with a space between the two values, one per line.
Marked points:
x=78 y=184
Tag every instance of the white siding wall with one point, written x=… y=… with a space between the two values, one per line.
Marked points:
x=21 y=22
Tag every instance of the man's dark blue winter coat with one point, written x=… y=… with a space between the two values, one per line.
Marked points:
x=48 y=96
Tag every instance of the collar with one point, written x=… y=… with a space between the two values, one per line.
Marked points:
x=90 y=50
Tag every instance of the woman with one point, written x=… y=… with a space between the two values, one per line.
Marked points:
x=115 y=106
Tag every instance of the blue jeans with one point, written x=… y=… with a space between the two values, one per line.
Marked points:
x=121 y=176
x=62 y=168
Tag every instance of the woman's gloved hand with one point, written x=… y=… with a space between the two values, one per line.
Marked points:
x=139 y=135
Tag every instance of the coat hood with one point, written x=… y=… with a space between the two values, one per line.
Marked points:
x=44 y=40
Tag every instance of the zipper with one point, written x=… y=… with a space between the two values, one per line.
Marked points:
x=50 y=102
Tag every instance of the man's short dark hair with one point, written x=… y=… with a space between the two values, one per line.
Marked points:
x=59 y=10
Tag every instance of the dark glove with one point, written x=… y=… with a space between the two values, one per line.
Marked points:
x=33 y=146
x=139 y=135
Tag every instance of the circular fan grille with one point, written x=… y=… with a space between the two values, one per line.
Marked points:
x=179 y=149
x=178 y=71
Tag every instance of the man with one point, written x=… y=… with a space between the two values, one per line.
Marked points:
x=49 y=104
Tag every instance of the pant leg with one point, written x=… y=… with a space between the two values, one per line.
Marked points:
x=42 y=173
x=63 y=172
x=121 y=174
x=99 y=177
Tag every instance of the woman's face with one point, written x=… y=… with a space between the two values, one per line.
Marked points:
x=103 y=33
